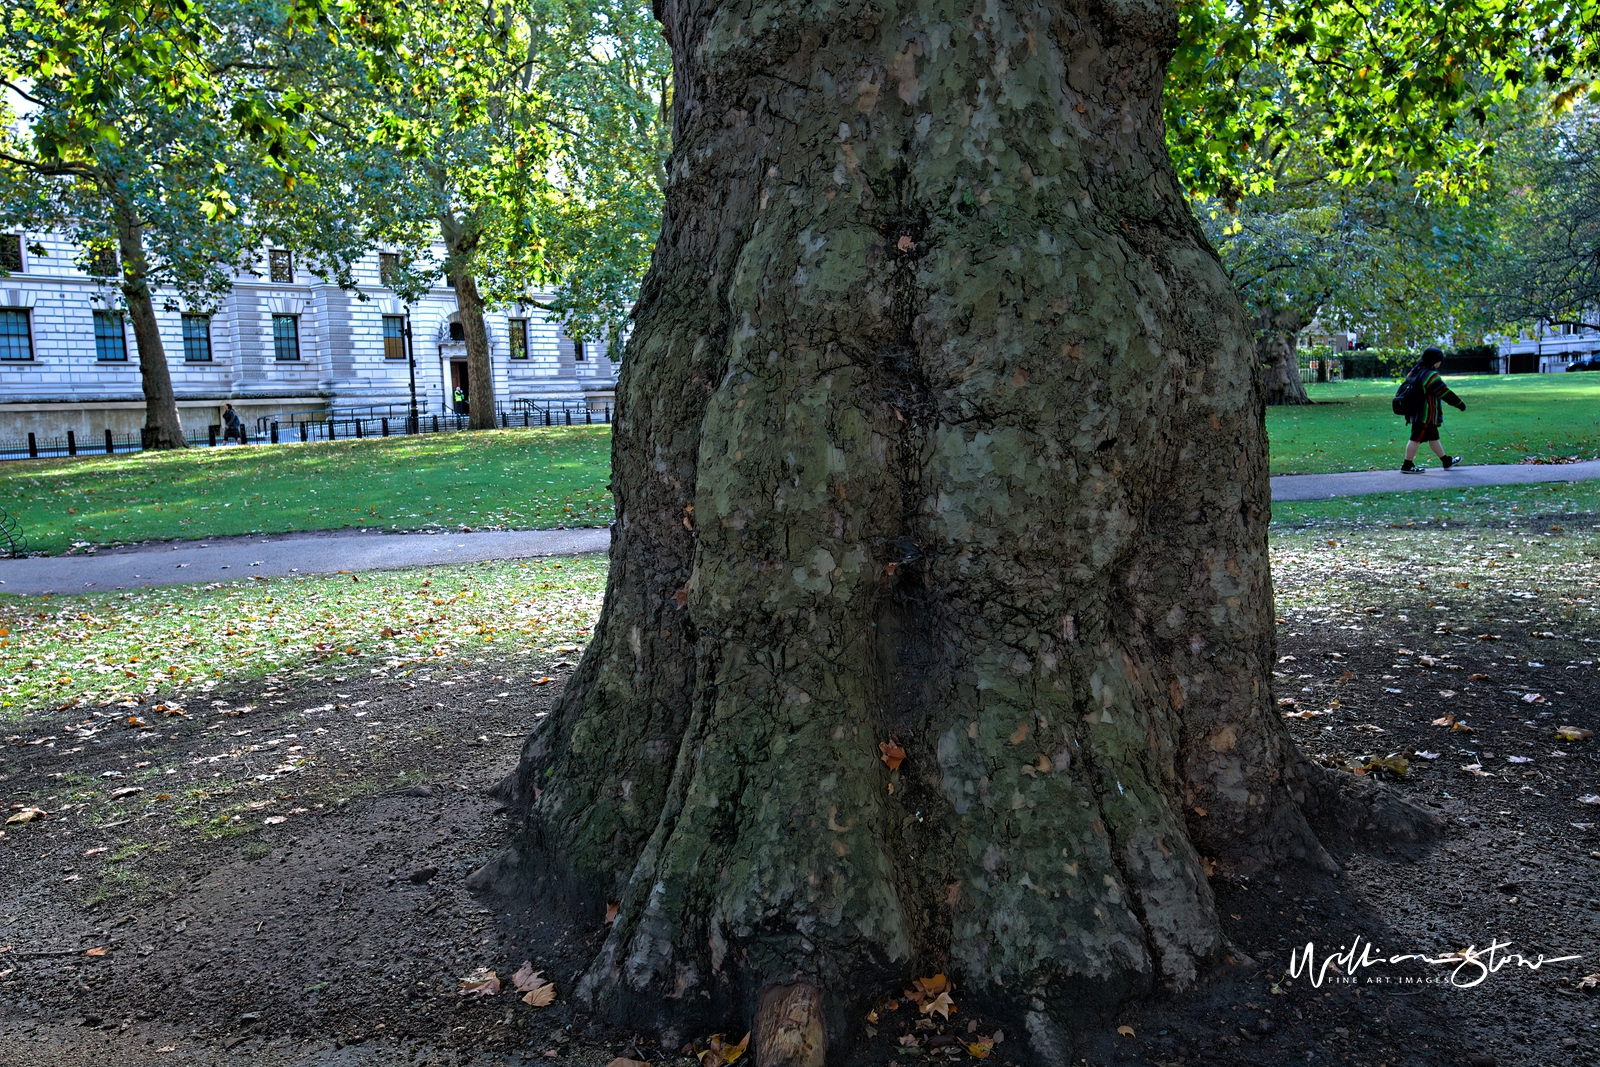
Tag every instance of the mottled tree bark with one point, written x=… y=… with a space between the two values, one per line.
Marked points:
x=940 y=428
x=461 y=241
x=1278 y=352
x=162 y=427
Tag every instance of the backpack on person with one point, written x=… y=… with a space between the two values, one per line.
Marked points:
x=1409 y=398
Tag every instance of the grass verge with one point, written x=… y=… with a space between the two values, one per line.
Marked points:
x=119 y=649
x=1548 y=502
x=1508 y=418
x=497 y=479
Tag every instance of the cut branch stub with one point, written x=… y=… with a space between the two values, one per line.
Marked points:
x=789 y=1030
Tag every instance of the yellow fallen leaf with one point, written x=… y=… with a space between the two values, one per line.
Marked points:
x=99 y=950
x=27 y=815
x=981 y=1048
x=1573 y=733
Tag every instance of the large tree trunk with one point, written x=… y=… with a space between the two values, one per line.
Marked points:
x=940 y=430
x=461 y=243
x=1278 y=352
x=162 y=428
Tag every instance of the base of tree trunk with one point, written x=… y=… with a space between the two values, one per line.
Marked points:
x=161 y=438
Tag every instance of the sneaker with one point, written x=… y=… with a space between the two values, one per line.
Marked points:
x=1450 y=461
x=1409 y=467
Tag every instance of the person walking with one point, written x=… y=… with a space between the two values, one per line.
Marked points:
x=232 y=425
x=1427 y=395
x=460 y=398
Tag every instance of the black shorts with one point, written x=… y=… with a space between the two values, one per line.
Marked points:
x=1422 y=432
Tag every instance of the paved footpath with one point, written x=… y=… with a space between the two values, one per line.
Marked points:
x=1359 y=483
x=229 y=558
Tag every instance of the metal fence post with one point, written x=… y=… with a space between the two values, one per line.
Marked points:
x=211 y=434
x=111 y=446
x=274 y=432
x=244 y=436
x=386 y=426
x=358 y=427
x=72 y=443
x=33 y=447
x=333 y=430
x=524 y=418
x=305 y=432
x=436 y=424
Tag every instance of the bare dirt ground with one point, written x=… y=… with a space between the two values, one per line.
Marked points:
x=286 y=884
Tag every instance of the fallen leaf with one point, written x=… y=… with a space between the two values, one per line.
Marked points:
x=623 y=1061
x=1444 y=720
x=1589 y=981
x=525 y=977
x=1395 y=765
x=1307 y=714
x=99 y=950
x=1573 y=733
x=611 y=912
x=981 y=1047
x=1533 y=698
x=274 y=820
x=910 y=1040
x=480 y=983
x=1590 y=798
x=541 y=997
x=1477 y=770
x=1125 y=1031
x=1201 y=812
x=1447 y=693
x=127 y=790
x=891 y=754
x=27 y=815
x=941 y=1004
x=1427 y=755
x=1477 y=677
x=134 y=720
x=1519 y=759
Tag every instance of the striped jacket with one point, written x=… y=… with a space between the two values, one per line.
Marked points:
x=1435 y=394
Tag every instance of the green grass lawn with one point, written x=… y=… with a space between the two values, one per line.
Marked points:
x=1508 y=417
x=505 y=479
x=184 y=641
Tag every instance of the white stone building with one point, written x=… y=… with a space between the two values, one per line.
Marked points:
x=288 y=342
x=1547 y=349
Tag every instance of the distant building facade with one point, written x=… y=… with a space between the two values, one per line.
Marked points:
x=1546 y=349
x=287 y=342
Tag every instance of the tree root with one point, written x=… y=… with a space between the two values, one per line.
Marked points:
x=789 y=1030
x=1361 y=807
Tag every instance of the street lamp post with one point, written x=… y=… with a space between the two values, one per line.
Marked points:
x=411 y=366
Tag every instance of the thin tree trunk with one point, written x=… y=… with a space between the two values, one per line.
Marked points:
x=162 y=427
x=1278 y=352
x=461 y=242
x=938 y=632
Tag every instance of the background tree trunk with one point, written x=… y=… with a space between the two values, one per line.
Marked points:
x=940 y=430
x=1278 y=352
x=460 y=242
x=162 y=427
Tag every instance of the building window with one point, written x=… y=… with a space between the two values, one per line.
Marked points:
x=281 y=265
x=388 y=268
x=577 y=351
x=110 y=342
x=458 y=332
x=11 y=253
x=394 y=337
x=197 y=338
x=286 y=337
x=103 y=261
x=519 y=338
x=16 y=340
